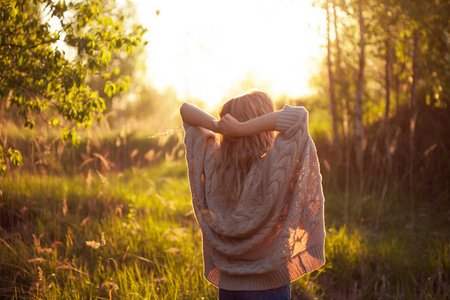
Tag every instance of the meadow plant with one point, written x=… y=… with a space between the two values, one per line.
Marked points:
x=132 y=234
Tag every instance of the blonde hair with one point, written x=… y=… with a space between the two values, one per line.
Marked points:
x=238 y=154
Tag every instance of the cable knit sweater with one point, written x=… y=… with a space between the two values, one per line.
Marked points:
x=275 y=233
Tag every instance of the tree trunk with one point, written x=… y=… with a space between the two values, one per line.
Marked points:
x=387 y=78
x=359 y=133
x=337 y=140
x=397 y=95
x=343 y=96
x=413 y=115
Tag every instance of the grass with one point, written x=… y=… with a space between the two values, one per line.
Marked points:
x=132 y=235
x=150 y=249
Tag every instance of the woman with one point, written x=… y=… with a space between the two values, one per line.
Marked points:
x=258 y=199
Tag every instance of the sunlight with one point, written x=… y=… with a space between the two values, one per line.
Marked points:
x=205 y=49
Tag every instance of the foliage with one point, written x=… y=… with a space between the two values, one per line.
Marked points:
x=396 y=137
x=13 y=155
x=47 y=50
x=128 y=66
x=431 y=18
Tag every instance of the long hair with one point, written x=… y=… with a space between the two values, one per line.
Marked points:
x=238 y=154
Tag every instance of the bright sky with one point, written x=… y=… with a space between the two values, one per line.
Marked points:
x=205 y=48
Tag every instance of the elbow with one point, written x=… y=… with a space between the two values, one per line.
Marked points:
x=183 y=109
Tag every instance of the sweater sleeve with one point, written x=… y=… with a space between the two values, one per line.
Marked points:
x=294 y=158
x=293 y=118
x=289 y=145
x=197 y=139
x=199 y=144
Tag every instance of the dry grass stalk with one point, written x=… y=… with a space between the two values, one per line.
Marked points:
x=40 y=275
x=37 y=245
x=166 y=133
x=64 y=207
x=102 y=239
x=95 y=244
x=36 y=260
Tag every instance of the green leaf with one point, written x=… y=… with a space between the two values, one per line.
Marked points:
x=110 y=89
x=13 y=12
x=15 y=157
x=54 y=122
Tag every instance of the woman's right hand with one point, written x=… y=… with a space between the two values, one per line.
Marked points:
x=229 y=126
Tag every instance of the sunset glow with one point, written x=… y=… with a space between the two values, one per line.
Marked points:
x=205 y=49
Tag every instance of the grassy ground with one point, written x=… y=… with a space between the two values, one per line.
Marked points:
x=132 y=235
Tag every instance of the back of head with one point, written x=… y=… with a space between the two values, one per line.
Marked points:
x=238 y=154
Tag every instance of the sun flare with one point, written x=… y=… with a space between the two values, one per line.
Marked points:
x=210 y=50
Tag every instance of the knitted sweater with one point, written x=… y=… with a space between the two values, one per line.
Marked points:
x=275 y=233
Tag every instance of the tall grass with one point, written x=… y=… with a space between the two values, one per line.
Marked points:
x=132 y=235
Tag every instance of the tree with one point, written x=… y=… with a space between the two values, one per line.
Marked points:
x=384 y=55
x=337 y=140
x=37 y=73
x=431 y=19
x=414 y=111
x=359 y=133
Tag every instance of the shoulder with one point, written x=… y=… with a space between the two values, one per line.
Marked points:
x=291 y=116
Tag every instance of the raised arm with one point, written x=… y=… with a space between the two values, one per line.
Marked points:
x=195 y=116
x=228 y=125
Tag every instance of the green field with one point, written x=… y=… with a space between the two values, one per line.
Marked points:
x=132 y=235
